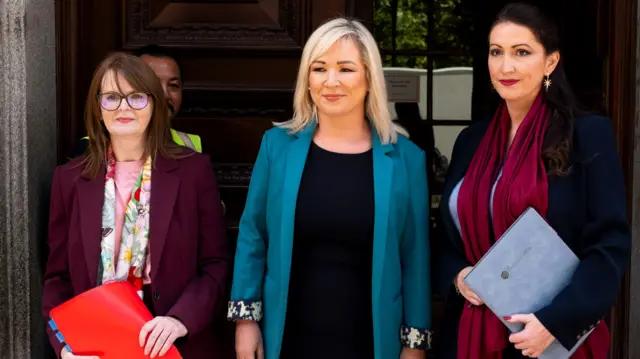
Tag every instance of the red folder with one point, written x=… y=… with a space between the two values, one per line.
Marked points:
x=104 y=321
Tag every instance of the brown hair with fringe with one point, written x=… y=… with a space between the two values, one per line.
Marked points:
x=142 y=79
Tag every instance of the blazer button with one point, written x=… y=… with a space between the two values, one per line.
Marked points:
x=156 y=296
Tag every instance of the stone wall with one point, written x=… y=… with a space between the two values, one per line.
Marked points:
x=27 y=160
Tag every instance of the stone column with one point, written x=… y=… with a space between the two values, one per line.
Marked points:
x=27 y=160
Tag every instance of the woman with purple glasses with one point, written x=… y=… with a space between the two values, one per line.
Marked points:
x=139 y=208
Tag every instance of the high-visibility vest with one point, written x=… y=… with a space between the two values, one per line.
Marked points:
x=182 y=139
x=187 y=140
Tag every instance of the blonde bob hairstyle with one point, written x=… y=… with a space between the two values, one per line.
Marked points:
x=376 y=105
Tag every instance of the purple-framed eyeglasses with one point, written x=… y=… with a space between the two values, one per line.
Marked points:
x=111 y=101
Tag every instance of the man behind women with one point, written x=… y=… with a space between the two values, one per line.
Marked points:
x=539 y=152
x=333 y=240
x=165 y=65
x=137 y=207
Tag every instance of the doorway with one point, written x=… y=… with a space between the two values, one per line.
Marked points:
x=240 y=61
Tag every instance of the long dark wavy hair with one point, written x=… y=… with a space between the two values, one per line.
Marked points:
x=560 y=98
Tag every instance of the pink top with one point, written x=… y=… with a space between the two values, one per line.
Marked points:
x=125 y=178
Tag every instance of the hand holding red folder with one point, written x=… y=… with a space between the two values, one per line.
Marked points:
x=104 y=321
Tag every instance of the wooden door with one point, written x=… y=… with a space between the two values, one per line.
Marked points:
x=239 y=59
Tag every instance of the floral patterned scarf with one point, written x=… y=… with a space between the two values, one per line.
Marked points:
x=129 y=262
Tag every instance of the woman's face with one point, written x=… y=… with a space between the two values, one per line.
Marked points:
x=125 y=111
x=338 y=80
x=518 y=62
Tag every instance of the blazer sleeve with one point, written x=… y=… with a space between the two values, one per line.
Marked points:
x=205 y=294
x=605 y=241
x=414 y=251
x=57 y=283
x=448 y=260
x=251 y=250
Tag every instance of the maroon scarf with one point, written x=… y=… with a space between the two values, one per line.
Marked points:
x=523 y=184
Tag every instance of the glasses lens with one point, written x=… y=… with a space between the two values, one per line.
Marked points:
x=138 y=101
x=109 y=101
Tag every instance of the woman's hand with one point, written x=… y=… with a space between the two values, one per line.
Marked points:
x=159 y=334
x=248 y=340
x=466 y=292
x=533 y=339
x=408 y=353
x=64 y=354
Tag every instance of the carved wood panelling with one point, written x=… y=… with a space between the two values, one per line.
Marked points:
x=67 y=25
x=273 y=25
x=202 y=100
x=233 y=174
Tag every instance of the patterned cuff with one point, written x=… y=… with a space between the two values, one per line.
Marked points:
x=244 y=310
x=415 y=338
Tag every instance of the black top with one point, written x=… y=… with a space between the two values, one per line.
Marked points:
x=587 y=208
x=329 y=312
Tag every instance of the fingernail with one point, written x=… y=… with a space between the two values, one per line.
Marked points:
x=507 y=318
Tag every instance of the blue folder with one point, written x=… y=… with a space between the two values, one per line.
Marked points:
x=522 y=273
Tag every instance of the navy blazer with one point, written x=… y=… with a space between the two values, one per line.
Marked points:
x=189 y=254
x=588 y=210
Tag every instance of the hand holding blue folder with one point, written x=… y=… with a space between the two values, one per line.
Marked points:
x=522 y=273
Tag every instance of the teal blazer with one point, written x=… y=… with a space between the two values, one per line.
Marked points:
x=401 y=291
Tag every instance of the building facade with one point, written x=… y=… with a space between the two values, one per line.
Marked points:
x=239 y=61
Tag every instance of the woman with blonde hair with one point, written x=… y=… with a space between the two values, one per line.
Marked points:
x=332 y=258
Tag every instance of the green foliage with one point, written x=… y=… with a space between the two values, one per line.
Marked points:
x=453 y=29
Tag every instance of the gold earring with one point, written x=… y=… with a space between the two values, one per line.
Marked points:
x=547 y=83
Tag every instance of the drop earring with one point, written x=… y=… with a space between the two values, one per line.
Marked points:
x=547 y=83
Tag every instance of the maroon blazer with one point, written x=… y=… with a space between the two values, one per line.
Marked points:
x=190 y=259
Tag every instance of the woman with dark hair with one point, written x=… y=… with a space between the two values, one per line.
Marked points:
x=538 y=151
x=139 y=208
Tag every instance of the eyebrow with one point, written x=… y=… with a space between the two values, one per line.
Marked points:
x=339 y=62
x=513 y=46
x=120 y=92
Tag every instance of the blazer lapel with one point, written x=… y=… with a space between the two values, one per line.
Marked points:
x=455 y=173
x=382 y=180
x=90 y=201
x=447 y=219
x=296 y=159
x=164 y=191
